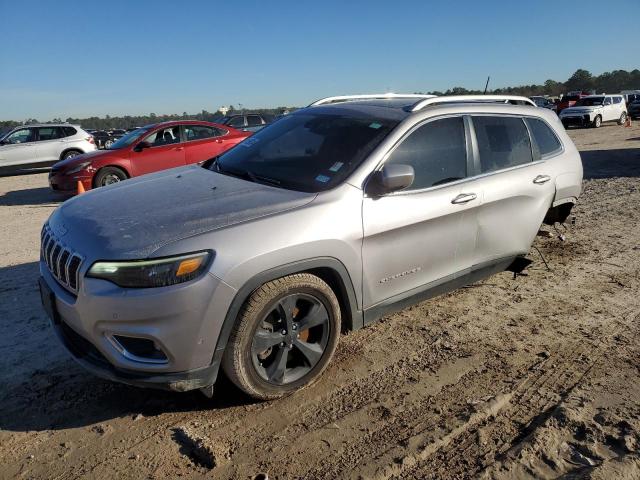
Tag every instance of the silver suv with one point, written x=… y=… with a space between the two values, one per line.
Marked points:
x=324 y=221
x=43 y=145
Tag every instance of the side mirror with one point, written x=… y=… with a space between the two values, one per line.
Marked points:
x=390 y=178
x=141 y=146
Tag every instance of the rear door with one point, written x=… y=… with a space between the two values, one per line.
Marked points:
x=20 y=147
x=425 y=234
x=609 y=110
x=203 y=142
x=165 y=150
x=517 y=188
x=50 y=144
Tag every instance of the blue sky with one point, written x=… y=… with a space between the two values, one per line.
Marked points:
x=72 y=58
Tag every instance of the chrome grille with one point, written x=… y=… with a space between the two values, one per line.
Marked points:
x=62 y=262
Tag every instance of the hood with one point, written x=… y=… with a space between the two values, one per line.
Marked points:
x=85 y=157
x=132 y=219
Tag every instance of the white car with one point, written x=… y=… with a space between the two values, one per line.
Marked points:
x=594 y=110
x=43 y=145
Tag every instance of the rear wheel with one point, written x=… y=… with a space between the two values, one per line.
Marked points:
x=71 y=154
x=597 y=121
x=107 y=144
x=284 y=337
x=623 y=118
x=108 y=176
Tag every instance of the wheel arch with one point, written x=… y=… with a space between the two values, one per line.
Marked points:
x=70 y=149
x=329 y=269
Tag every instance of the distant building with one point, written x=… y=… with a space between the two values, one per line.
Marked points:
x=223 y=110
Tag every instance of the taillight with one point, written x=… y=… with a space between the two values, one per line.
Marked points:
x=89 y=139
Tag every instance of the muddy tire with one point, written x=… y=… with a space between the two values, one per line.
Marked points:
x=597 y=122
x=284 y=337
x=109 y=175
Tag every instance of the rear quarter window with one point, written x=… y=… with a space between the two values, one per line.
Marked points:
x=69 y=131
x=545 y=142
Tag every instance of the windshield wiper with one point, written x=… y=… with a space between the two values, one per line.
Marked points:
x=246 y=175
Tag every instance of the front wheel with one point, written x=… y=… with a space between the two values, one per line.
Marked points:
x=109 y=175
x=107 y=144
x=623 y=118
x=597 y=121
x=284 y=337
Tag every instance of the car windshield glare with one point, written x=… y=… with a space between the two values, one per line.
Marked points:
x=590 y=102
x=129 y=138
x=307 y=151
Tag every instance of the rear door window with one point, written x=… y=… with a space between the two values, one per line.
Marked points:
x=200 y=132
x=545 y=142
x=236 y=122
x=437 y=152
x=503 y=142
x=253 y=120
x=49 y=133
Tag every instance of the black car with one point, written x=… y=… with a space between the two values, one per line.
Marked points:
x=247 y=122
x=103 y=139
x=634 y=108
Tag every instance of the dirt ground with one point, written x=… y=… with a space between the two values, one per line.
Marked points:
x=534 y=377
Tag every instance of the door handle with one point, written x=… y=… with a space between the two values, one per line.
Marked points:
x=218 y=141
x=464 y=198
x=540 y=179
x=179 y=149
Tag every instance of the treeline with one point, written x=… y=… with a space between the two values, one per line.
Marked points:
x=609 y=82
x=129 y=121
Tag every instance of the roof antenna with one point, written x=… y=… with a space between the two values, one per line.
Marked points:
x=486 y=85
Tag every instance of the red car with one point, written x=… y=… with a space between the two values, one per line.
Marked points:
x=569 y=100
x=145 y=150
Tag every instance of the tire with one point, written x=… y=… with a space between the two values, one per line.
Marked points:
x=108 y=176
x=597 y=122
x=107 y=144
x=70 y=154
x=622 y=119
x=270 y=353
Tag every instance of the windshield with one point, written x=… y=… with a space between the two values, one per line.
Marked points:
x=129 y=138
x=589 y=101
x=309 y=152
x=570 y=98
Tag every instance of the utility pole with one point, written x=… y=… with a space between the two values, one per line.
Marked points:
x=486 y=85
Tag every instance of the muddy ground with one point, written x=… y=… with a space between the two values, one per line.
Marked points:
x=536 y=377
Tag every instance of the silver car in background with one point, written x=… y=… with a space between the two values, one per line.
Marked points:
x=322 y=222
x=43 y=145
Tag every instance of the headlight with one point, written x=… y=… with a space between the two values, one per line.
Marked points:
x=79 y=167
x=159 y=272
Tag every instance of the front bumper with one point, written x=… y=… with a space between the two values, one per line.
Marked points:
x=60 y=182
x=582 y=120
x=182 y=320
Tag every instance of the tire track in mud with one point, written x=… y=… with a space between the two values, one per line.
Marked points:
x=529 y=405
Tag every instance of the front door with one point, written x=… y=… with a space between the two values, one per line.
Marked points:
x=163 y=149
x=424 y=235
x=20 y=147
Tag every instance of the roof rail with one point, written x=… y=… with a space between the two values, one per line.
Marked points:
x=346 y=98
x=471 y=99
